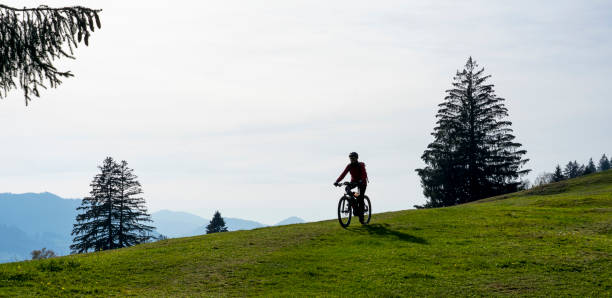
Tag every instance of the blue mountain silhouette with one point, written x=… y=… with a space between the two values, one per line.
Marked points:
x=32 y=221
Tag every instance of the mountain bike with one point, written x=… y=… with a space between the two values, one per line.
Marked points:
x=346 y=205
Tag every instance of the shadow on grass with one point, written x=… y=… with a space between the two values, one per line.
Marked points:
x=383 y=230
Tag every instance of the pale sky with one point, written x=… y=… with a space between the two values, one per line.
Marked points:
x=251 y=107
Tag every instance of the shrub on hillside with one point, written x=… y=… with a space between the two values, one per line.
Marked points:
x=42 y=254
x=543 y=178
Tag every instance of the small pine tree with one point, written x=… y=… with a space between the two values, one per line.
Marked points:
x=216 y=225
x=604 y=163
x=573 y=169
x=590 y=168
x=558 y=175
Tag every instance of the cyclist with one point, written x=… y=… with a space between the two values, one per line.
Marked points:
x=359 y=179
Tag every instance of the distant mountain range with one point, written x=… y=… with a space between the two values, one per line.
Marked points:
x=290 y=221
x=35 y=220
x=32 y=221
x=183 y=224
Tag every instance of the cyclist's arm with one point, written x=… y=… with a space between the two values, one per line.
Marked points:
x=364 y=173
x=343 y=174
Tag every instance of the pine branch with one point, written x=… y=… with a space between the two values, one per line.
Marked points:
x=32 y=38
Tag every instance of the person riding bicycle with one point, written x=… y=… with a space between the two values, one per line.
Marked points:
x=359 y=179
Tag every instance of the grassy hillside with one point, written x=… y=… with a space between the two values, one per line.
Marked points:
x=553 y=240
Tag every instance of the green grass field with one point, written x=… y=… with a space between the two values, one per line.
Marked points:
x=554 y=240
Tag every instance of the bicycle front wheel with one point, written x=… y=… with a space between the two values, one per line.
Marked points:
x=367 y=210
x=345 y=212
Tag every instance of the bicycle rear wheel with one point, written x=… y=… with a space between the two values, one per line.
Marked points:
x=367 y=210
x=345 y=212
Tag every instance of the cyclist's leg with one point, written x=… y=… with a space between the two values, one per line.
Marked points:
x=353 y=203
x=360 y=203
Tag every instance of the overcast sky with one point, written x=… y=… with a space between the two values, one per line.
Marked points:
x=251 y=107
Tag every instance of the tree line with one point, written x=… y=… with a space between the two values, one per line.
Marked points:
x=572 y=170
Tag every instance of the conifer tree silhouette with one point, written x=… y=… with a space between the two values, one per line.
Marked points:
x=473 y=154
x=573 y=169
x=216 y=225
x=558 y=175
x=112 y=217
x=604 y=163
x=589 y=168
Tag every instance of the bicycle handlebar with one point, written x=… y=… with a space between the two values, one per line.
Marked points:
x=343 y=184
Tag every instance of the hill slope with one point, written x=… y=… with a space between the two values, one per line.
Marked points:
x=552 y=240
x=32 y=221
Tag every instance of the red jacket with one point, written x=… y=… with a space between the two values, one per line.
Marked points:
x=358 y=173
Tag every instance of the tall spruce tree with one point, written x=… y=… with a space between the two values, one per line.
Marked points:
x=111 y=216
x=473 y=154
x=558 y=175
x=31 y=39
x=216 y=225
x=93 y=230
x=131 y=209
x=604 y=163
x=589 y=168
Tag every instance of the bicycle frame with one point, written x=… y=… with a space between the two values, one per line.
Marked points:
x=351 y=198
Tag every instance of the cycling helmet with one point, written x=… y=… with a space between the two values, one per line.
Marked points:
x=354 y=154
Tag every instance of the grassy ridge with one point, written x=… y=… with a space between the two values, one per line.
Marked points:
x=552 y=240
